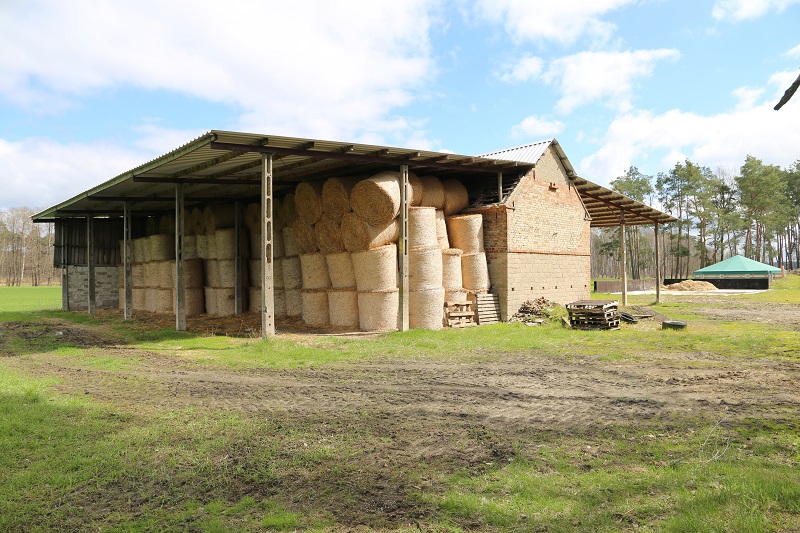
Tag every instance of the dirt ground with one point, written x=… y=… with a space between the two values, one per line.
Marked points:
x=439 y=411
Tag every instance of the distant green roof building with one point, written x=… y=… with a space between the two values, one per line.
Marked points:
x=736 y=266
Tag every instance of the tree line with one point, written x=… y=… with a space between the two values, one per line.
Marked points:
x=754 y=212
x=26 y=249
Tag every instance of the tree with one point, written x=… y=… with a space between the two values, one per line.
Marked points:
x=637 y=186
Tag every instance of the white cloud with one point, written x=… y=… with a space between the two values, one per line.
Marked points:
x=747 y=97
x=316 y=68
x=738 y=10
x=794 y=53
x=534 y=128
x=526 y=68
x=562 y=22
x=720 y=140
x=587 y=77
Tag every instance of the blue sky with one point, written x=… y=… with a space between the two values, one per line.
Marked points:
x=89 y=90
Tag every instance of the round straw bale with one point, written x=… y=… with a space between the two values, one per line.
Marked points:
x=432 y=192
x=329 y=235
x=377 y=310
x=294 y=302
x=304 y=237
x=308 y=201
x=315 y=271
x=254 y=273
x=211 y=272
x=252 y=217
x=211 y=245
x=121 y=298
x=340 y=270
x=150 y=278
x=165 y=274
x=292 y=273
x=201 y=243
x=455 y=295
x=137 y=248
x=279 y=301
x=315 y=307
x=227 y=273
x=426 y=309
x=288 y=209
x=226 y=301
x=343 y=307
x=194 y=300
x=377 y=198
x=139 y=298
x=225 y=242
x=137 y=274
x=376 y=269
x=151 y=226
x=219 y=216
x=210 y=298
x=465 y=232
x=475 y=271
x=456 y=198
x=166 y=224
x=336 y=197
x=190 y=247
x=196 y=220
x=278 y=249
x=441 y=230
x=192 y=273
x=160 y=300
x=425 y=269
x=358 y=235
x=289 y=247
x=422 y=228
x=451 y=269
x=417 y=189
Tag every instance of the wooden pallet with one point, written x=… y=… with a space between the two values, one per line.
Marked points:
x=488 y=308
x=594 y=314
x=460 y=314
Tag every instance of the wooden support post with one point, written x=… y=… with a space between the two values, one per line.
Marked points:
x=238 y=305
x=91 y=307
x=623 y=258
x=658 y=266
x=180 y=280
x=64 y=284
x=403 y=249
x=499 y=187
x=127 y=276
x=267 y=280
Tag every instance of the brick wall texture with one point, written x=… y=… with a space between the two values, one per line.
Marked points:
x=538 y=243
x=106 y=287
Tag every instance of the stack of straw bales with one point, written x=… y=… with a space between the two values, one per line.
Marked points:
x=315 y=283
x=465 y=233
x=426 y=294
x=376 y=281
x=343 y=294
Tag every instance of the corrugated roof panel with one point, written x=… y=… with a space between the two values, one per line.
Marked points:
x=528 y=153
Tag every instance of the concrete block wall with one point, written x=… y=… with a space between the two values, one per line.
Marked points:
x=106 y=288
x=538 y=243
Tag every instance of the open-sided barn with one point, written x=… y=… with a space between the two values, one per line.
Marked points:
x=340 y=233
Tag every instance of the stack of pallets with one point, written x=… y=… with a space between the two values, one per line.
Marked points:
x=459 y=314
x=594 y=314
x=488 y=307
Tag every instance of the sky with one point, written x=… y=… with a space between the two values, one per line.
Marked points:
x=90 y=89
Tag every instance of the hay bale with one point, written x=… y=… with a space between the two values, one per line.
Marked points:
x=441 y=230
x=278 y=249
x=227 y=273
x=432 y=192
x=340 y=270
x=465 y=232
x=211 y=245
x=294 y=303
x=190 y=247
x=425 y=269
x=456 y=198
x=211 y=272
x=225 y=244
x=220 y=301
x=201 y=243
x=210 y=300
x=289 y=246
x=305 y=240
x=192 y=273
x=139 y=298
x=376 y=269
x=160 y=301
x=292 y=273
x=377 y=198
x=475 y=271
x=377 y=310
x=343 y=307
x=451 y=269
x=166 y=224
x=426 y=309
x=137 y=274
x=358 y=235
x=336 y=197
x=315 y=271
x=252 y=217
x=165 y=274
x=219 y=216
x=422 y=228
x=137 y=248
x=194 y=301
x=150 y=274
x=151 y=226
x=328 y=235
x=456 y=295
x=315 y=307
x=279 y=301
x=196 y=221
x=308 y=201
x=254 y=272
x=288 y=210
x=417 y=189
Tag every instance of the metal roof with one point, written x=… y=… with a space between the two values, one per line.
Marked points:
x=605 y=206
x=223 y=166
x=736 y=265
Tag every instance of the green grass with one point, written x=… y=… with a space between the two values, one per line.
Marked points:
x=16 y=302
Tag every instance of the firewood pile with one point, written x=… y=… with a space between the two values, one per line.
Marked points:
x=534 y=311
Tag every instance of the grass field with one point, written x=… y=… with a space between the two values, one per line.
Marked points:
x=123 y=427
x=15 y=299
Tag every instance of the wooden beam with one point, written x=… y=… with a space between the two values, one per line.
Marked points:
x=658 y=265
x=623 y=258
x=194 y=181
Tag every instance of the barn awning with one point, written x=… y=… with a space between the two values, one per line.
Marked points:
x=738 y=265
